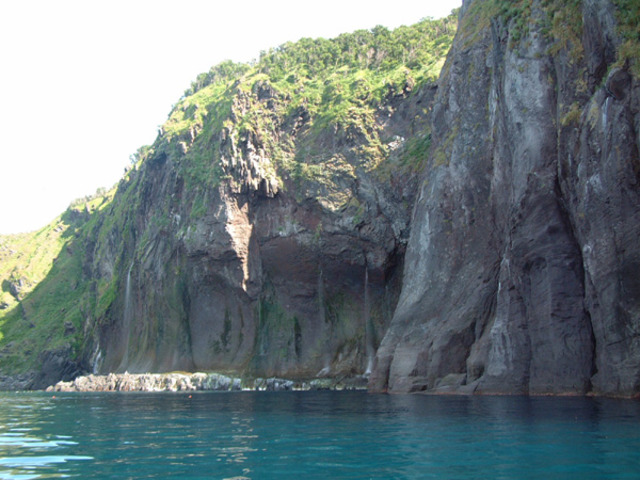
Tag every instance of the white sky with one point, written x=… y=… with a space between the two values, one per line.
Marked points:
x=84 y=83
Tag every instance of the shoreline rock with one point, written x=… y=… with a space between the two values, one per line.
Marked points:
x=178 y=382
x=19 y=382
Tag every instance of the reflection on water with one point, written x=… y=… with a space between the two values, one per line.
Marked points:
x=27 y=452
x=315 y=435
x=241 y=441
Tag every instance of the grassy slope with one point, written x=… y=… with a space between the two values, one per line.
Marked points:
x=49 y=263
x=339 y=84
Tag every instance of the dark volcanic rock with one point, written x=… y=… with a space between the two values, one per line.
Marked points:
x=295 y=276
x=14 y=383
x=522 y=267
x=55 y=366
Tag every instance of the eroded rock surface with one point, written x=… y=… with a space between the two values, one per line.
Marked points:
x=522 y=267
x=293 y=275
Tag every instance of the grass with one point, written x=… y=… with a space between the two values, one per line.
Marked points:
x=338 y=82
x=416 y=151
x=58 y=297
x=564 y=26
x=572 y=117
x=27 y=258
x=51 y=312
x=628 y=17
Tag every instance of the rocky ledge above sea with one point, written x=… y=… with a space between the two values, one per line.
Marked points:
x=175 y=382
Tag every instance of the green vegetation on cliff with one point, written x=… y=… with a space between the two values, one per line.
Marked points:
x=562 y=22
x=42 y=302
x=310 y=107
x=327 y=87
x=310 y=119
x=628 y=17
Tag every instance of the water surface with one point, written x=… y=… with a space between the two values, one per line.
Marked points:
x=315 y=435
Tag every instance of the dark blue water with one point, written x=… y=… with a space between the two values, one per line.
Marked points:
x=316 y=435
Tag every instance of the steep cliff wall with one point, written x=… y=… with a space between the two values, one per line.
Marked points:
x=264 y=275
x=522 y=270
x=264 y=232
x=268 y=230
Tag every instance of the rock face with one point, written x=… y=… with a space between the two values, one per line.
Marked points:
x=295 y=275
x=56 y=365
x=268 y=230
x=521 y=274
x=261 y=235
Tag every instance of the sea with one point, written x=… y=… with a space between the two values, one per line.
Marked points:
x=315 y=435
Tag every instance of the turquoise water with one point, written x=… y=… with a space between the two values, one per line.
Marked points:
x=316 y=435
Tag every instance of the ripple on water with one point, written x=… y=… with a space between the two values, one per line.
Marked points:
x=319 y=435
x=25 y=451
x=29 y=466
x=16 y=439
x=39 y=461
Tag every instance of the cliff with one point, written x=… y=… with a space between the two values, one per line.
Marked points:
x=334 y=211
x=262 y=234
x=521 y=273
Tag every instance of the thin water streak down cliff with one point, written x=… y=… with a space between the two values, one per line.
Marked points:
x=522 y=267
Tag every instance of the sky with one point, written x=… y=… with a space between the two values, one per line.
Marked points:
x=84 y=83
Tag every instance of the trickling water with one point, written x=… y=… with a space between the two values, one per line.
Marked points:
x=127 y=316
x=326 y=358
x=368 y=326
x=321 y=297
x=127 y=297
x=605 y=109
x=97 y=358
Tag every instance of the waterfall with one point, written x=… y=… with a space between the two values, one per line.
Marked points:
x=323 y=318
x=368 y=324
x=96 y=360
x=127 y=315
x=605 y=108
x=326 y=357
x=127 y=299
